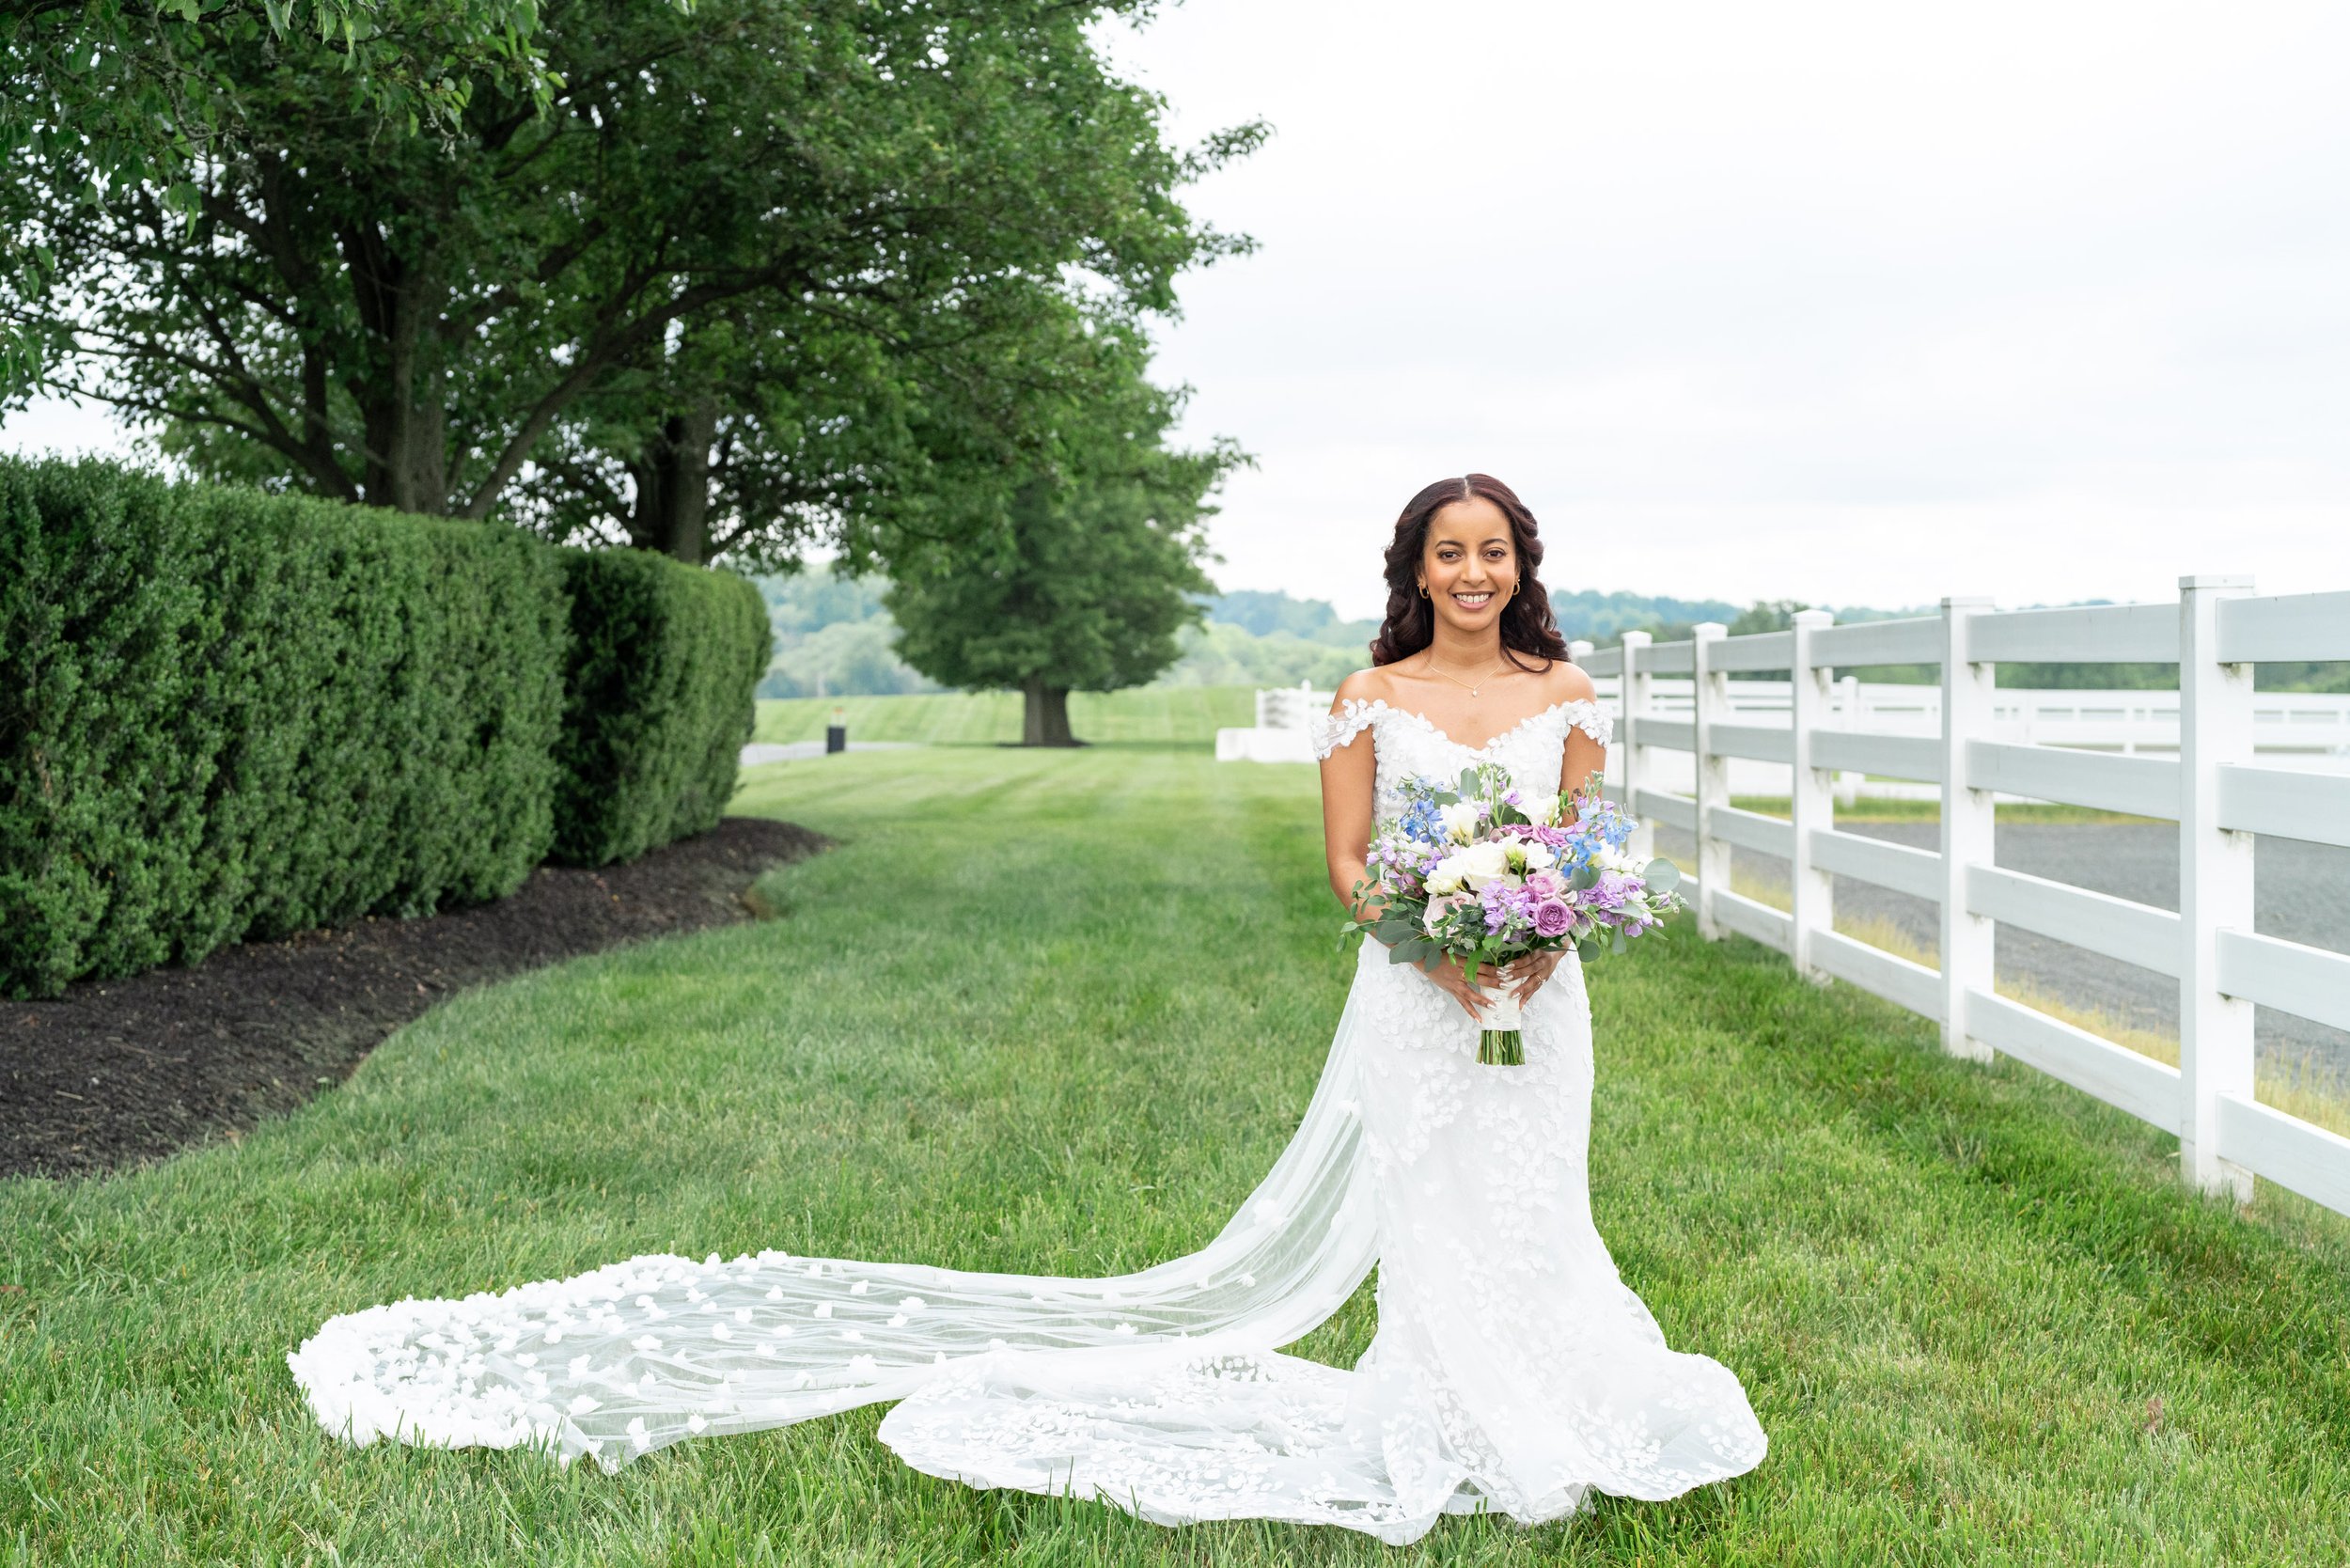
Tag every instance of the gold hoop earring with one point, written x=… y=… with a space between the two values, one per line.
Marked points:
x=1423 y=590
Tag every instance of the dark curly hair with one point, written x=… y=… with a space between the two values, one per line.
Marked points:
x=1526 y=623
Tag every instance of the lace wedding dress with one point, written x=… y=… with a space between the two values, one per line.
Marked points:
x=1512 y=1370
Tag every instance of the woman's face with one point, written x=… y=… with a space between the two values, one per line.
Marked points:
x=1470 y=565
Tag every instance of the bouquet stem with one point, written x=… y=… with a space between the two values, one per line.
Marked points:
x=1500 y=1048
x=1500 y=1043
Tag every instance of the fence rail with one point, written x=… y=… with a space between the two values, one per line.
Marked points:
x=2208 y=784
x=1880 y=738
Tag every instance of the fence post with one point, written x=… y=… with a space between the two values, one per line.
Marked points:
x=1709 y=703
x=1968 y=825
x=1812 y=798
x=2215 y=884
x=1631 y=692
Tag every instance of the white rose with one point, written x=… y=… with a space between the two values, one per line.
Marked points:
x=1539 y=859
x=1460 y=821
x=1542 y=810
x=1444 y=878
x=1480 y=863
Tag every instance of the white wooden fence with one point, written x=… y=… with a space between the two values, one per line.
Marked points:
x=2212 y=787
x=2313 y=728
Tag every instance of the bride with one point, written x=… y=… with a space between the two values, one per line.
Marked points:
x=1512 y=1370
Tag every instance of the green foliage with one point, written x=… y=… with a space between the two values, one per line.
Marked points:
x=1221 y=654
x=754 y=271
x=1093 y=573
x=1085 y=594
x=833 y=638
x=1276 y=613
x=102 y=96
x=224 y=715
x=657 y=701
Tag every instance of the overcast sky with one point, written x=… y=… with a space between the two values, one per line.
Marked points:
x=1857 y=303
x=1853 y=304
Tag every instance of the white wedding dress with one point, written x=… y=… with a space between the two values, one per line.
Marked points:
x=1512 y=1370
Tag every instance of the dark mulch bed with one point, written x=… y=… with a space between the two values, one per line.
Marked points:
x=115 y=1072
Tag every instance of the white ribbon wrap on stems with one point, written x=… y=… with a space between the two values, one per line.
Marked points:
x=1504 y=1013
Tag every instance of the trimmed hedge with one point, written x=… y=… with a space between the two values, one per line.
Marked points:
x=228 y=715
x=658 y=702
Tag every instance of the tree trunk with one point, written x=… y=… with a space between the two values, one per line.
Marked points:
x=406 y=462
x=673 y=487
x=1046 y=721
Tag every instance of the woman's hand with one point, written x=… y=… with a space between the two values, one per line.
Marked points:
x=1526 y=973
x=1452 y=981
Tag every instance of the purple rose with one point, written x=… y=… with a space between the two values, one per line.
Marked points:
x=1552 y=917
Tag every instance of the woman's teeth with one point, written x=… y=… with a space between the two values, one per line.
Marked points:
x=1472 y=600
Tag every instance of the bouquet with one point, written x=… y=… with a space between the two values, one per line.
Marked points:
x=1478 y=872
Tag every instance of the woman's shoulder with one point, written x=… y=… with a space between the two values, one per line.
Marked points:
x=1364 y=685
x=1567 y=682
x=1356 y=706
x=1575 y=700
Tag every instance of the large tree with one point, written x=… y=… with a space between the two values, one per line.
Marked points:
x=739 y=273
x=1089 y=579
x=139 y=89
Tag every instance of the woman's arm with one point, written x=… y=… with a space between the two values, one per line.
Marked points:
x=1583 y=755
x=1347 y=787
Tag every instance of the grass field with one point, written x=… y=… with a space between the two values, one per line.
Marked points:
x=1156 y=714
x=1057 y=1011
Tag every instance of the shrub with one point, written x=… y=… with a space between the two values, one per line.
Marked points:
x=657 y=701
x=228 y=715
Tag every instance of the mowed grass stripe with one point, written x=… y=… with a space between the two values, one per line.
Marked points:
x=1058 y=1012
x=1141 y=716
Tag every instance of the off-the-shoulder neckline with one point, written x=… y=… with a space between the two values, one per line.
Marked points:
x=1380 y=704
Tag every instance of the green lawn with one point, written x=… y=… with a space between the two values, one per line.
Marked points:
x=1155 y=714
x=1036 y=1011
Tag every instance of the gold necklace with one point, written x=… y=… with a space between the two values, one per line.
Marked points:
x=1458 y=681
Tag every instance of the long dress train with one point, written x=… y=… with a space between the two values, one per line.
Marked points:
x=1512 y=1370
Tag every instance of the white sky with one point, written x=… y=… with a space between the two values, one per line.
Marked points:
x=1861 y=303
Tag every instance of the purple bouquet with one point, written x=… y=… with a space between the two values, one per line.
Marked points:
x=1480 y=872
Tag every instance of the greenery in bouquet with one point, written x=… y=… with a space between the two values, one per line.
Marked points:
x=1483 y=873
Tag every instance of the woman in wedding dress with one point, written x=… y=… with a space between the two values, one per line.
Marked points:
x=1512 y=1370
